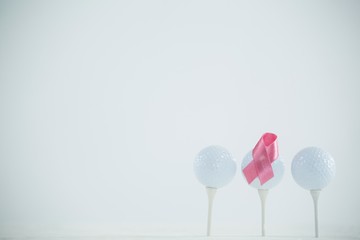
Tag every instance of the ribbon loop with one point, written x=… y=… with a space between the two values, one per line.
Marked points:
x=264 y=153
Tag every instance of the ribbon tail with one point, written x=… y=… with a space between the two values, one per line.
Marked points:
x=266 y=175
x=250 y=172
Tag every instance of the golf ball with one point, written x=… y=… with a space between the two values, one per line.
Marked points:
x=214 y=166
x=278 y=169
x=313 y=168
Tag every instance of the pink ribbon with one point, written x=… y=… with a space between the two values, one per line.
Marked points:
x=264 y=153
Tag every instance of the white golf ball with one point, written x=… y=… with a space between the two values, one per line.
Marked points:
x=214 y=166
x=278 y=169
x=313 y=168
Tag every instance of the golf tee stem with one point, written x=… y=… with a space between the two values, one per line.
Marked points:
x=315 y=196
x=263 y=194
x=211 y=193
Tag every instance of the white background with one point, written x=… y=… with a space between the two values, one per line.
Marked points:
x=104 y=105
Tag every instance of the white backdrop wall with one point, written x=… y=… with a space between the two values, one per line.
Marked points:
x=104 y=105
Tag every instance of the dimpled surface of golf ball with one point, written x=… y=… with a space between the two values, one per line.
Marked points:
x=278 y=169
x=313 y=168
x=214 y=166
